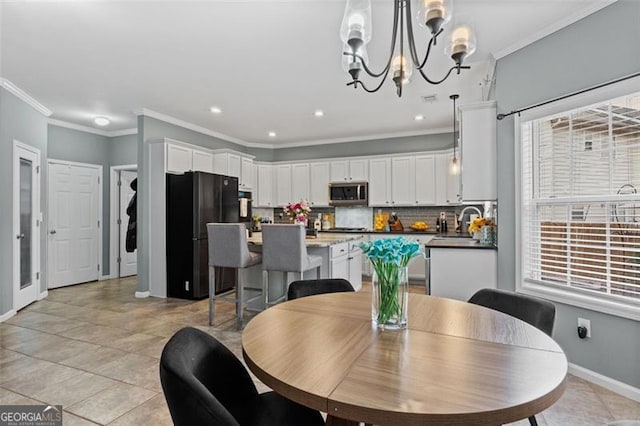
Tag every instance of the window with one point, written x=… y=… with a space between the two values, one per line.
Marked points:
x=579 y=201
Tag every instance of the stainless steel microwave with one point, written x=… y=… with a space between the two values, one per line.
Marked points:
x=349 y=194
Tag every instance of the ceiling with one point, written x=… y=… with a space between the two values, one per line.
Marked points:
x=267 y=64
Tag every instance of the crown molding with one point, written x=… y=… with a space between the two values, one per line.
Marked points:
x=25 y=97
x=365 y=138
x=196 y=128
x=123 y=132
x=178 y=122
x=556 y=26
x=87 y=129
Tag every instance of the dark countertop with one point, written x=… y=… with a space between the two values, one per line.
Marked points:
x=451 y=234
x=465 y=243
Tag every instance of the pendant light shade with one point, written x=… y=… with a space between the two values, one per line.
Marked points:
x=454 y=166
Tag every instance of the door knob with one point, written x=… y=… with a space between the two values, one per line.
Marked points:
x=53 y=231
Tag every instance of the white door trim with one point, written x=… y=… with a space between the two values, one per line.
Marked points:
x=114 y=201
x=98 y=167
x=37 y=277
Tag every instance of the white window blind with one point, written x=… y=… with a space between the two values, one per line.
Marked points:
x=580 y=200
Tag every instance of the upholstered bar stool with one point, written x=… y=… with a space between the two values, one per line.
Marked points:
x=284 y=249
x=228 y=248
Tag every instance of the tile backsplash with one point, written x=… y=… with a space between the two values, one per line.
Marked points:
x=354 y=217
x=362 y=217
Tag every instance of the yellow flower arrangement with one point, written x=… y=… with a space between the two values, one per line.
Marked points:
x=478 y=223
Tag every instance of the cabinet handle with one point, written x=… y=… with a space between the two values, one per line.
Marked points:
x=53 y=231
x=349 y=258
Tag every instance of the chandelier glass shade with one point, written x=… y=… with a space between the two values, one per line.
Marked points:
x=356 y=31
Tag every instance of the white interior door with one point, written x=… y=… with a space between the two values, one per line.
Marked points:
x=128 y=261
x=73 y=224
x=26 y=214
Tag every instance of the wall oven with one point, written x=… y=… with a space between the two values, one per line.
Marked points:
x=349 y=194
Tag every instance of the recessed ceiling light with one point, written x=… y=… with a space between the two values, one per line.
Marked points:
x=215 y=110
x=101 y=121
x=272 y=134
x=319 y=113
x=419 y=117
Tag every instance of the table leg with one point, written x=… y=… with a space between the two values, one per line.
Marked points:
x=337 y=421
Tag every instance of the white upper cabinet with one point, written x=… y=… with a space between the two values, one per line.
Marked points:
x=227 y=163
x=202 y=161
x=403 y=181
x=179 y=159
x=283 y=185
x=247 y=174
x=425 y=179
x=447 y=185
x=265 y=186
x=300 y=181
x=379 y=182
x=319 y=184
x=478 y=156
x=349 y=170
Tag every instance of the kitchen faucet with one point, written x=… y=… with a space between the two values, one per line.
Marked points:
x=462 y=215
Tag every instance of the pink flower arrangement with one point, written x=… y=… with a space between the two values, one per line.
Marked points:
x=299 y=210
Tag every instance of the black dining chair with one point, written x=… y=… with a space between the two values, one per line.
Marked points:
x=305 y=288
x=539 y=313
x=205 y=384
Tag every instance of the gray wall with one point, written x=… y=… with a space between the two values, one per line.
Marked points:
x=594 y=50
x=370 y=147
x=123 y=150
x=21 y=122
x=82 y=147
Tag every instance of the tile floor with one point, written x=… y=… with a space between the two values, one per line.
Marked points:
x=94 y=348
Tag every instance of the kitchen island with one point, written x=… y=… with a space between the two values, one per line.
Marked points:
x=341 y=258
x=458 y=267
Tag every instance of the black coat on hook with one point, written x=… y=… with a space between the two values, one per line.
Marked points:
x=132 y=212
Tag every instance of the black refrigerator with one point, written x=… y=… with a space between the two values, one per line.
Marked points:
x=193 y=200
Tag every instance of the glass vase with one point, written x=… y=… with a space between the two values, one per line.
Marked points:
x=486 y=235
x=390 y=296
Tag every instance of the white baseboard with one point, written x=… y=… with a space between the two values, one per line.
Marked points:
x=7 y=315
x=613 y=385
x=43 y=295
x=106 y=277
x=142 y=294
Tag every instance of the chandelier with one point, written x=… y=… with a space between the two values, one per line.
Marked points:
x=355 y=33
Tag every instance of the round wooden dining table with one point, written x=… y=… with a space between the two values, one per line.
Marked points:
x=456 y=363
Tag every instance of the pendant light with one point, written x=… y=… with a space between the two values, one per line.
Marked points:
x=454 y=167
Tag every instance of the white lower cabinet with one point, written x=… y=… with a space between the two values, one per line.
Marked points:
x=346 y=263
x=339 y=261
x=457 y=273
x=355 y=265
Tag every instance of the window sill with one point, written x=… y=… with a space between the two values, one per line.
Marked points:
x=575 y=297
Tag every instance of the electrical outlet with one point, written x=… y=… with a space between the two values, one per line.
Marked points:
x=586 y=324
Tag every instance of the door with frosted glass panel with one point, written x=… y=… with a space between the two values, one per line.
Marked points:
x=26 y=209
